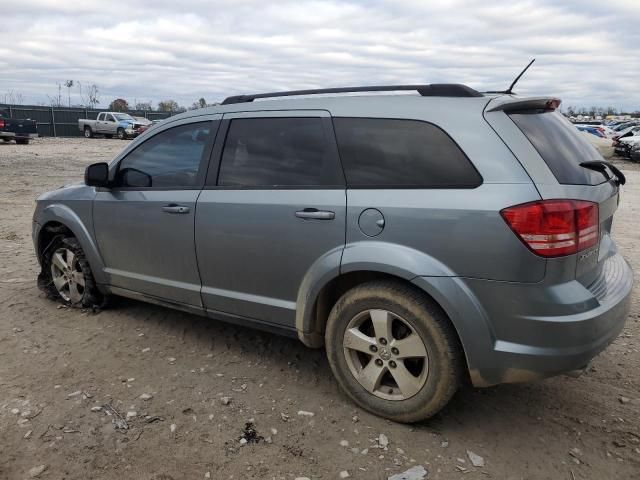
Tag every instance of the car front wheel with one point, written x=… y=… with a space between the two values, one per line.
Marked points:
x=66 y=275
x=122 y=135
x=393 y=351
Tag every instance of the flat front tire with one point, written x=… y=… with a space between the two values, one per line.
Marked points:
x=393 y=351
x=66 y=275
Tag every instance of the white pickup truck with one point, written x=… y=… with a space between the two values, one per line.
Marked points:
x=109 y=124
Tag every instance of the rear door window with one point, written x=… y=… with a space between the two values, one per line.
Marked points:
x=560 y=146
x=279 y=152
x=392 y=153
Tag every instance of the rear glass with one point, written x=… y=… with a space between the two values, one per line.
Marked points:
x=560 y=146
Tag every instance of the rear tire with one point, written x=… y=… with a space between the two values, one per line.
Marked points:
x=420 y=349
x=88 y=133
x=66 y=275
x=122 y=135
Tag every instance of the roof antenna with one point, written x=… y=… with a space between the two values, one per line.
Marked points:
x=509 y=90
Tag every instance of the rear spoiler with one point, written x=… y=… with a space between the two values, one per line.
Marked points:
x=508 y=103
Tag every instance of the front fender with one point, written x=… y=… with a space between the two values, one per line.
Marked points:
x=70 y=219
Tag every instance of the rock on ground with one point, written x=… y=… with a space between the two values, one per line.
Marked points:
x=414 y=473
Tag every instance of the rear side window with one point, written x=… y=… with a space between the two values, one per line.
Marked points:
x=390 y=153
x=560 y=146
x=273 y=152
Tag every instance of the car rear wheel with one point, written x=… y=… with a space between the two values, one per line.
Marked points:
x=122 y=135
x=66 y=275
x=88 y=133
x=393 y=351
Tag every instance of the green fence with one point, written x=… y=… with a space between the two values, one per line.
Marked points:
x=63 y=121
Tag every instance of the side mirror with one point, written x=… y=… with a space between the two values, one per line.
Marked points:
x=132 y=177
x=97 y=175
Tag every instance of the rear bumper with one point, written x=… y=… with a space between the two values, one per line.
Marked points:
x=543 y=330
x=18 y=135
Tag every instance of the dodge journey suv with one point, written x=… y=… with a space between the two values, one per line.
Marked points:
x=422 y=238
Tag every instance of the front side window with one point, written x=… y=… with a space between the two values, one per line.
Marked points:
x=124 y=116
x=170 y=159
x=271 y=152
x=392 y=153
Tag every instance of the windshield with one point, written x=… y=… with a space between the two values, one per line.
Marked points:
x=560 y=145
x=123 y=116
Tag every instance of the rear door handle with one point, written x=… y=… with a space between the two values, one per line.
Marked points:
x=316 y=214
x=175 y=209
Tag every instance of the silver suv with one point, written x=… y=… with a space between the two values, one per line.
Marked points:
x=422 y=238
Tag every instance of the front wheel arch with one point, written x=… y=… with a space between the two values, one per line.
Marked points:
x=57 y=236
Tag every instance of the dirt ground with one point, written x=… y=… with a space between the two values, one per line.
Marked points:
x=57 y=363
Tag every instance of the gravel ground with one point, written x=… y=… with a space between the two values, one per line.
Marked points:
x=193 y=384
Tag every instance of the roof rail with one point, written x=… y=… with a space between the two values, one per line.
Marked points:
x=432 y=90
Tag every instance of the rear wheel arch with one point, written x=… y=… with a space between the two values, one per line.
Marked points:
x=312 y=334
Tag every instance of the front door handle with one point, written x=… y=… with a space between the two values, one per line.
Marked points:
x=175 y=209
x=315 y=214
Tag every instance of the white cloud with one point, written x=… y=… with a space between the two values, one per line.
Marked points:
x=585 y=50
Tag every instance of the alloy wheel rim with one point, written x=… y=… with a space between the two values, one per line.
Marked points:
x=67 y=275
x=386 y=355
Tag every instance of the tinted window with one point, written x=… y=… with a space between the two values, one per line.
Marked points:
x=401 y=153
x=278 y=152
x=169 y=159
x=560 y=146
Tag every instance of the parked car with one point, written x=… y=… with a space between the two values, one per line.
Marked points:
x=620 y=147
x=635 y=152
x=422 y=239
x=597 y=131
x=626 y=144
x=109 y=124
x=146 y=127
x=20 y=130
x=604 y=131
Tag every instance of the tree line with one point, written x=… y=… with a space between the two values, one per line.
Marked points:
x=87 y=95
x=121 y=105
x=596 y=111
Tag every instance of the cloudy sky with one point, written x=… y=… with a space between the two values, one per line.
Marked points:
x=587 y=51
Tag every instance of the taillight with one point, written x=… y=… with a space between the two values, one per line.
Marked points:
x=1 y=123
x=553 y=228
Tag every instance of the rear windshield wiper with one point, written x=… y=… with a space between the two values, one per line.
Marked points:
x=601 y=166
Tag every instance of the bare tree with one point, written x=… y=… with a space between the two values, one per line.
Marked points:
x=201 y=103
x=13 y=98
x=69 y=84
x=168 y=106
x=143 y=106
x=90 y=97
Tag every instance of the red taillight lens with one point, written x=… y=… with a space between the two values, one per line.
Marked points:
x=1 y=123
x=553 y=228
